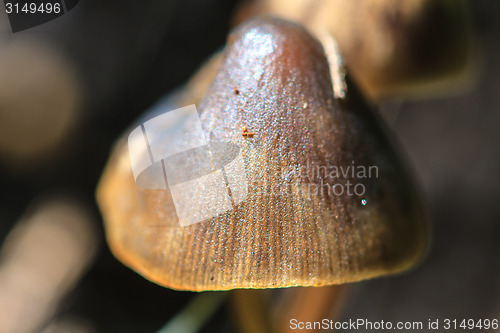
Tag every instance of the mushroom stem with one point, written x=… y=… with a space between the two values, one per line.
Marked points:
x=311 y=304
x=195 y=314
x=252 y=311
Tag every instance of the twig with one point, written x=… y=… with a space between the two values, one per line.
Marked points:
x=195 y=314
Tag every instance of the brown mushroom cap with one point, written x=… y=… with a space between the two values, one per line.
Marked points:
x=283 y=234
x=392 y=47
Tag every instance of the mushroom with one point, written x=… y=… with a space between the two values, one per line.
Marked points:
x=392 y=48
x=40 y=100
x=42 y=260
x=294 y=227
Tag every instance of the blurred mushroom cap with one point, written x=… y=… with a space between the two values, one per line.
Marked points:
x=40 y=99
x=393 y=48
x=294 y=227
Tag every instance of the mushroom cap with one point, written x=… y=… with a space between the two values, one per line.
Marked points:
x=292 y=228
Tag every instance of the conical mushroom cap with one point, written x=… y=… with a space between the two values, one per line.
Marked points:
x=293 y=227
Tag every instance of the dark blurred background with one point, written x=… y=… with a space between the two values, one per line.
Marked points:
x=115 y=59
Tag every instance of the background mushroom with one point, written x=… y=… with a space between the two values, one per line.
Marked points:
x=392 y=48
